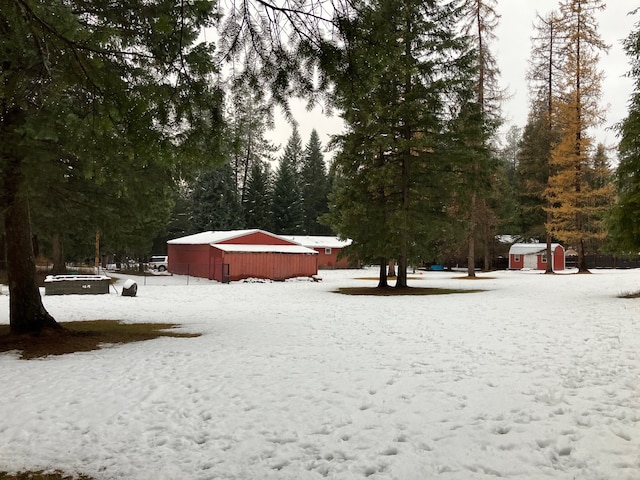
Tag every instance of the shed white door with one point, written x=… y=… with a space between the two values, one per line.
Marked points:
x=531 y=261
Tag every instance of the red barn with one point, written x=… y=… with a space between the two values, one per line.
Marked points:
x=534 y=256
x=328 y=249
x=239 y=254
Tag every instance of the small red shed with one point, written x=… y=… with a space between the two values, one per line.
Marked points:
x=534 y=256
x=239 y=254
x=328 y=249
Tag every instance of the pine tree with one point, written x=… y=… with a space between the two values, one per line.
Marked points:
x=511 y=152
x=287 y=207
x=258 y=199
x=248 y=117
x=315 y=186
x=533 y=174
x=480 y=22
x=82 y=83
x=400 y=62
x=504 y=201
x=624 y=221
x=599 y=178
x=293 y=152
x=214 y=201
x=569 y=195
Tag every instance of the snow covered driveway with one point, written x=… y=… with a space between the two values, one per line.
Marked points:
x=537 y=377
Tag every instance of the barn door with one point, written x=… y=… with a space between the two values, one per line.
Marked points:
x=531 y=261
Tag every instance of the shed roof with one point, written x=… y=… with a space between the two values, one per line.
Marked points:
x=530 y=248
x=210 y=237
x=318 y=241
x=228 y=247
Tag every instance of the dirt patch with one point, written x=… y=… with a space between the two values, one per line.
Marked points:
x=393 y=292
x=84 y=337
x=41 y=476
x=476 y=278
x=629 y=295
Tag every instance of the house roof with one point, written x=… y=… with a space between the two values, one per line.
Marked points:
x=211 y=237
x=311 y=241
x=530 y=248
x=228 y=247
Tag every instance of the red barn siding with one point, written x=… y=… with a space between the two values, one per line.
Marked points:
x=517 y=261
x=330 y=260
x=189 y=260
x=275 y=266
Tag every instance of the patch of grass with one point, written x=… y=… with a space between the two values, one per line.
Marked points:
x=84 y=337
x=42 y=476
x=393 y=292
x=629 y=295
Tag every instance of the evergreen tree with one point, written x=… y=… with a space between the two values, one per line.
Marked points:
x=400 y=62
x=293 y=152
x=258 y=199
x=511 y=152
x=624 y=219
x=533 y=174
x=214 y=201
x=570 y=197
x=315 y=187
x=599 y=179
x=481 y=20
x=504 y=201
x=179 y=224
x=100 y=87
x=287 y=206
x=288 y=214
x=248 y=118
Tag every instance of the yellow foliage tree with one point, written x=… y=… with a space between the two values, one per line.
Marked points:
x=570 y=197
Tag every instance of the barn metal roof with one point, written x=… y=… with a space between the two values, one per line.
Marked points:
x=211 y=237
x=318 y=241
x=530 y=248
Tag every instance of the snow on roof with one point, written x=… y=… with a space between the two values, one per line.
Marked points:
x=77 y=278
x=530 y=248
x=211 y=237
x=228 y=247
x=318 y=241
x=508 y=239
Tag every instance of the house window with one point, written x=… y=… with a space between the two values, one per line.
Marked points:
x=516 y=258
x=327 y=251
x=544 y=258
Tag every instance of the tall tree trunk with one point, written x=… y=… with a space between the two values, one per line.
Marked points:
x=3 y=253
x=549 y=250
x=401 y=278
x=486 y=230
x=382 y=280
x=26 y=311
x=391 y=271
x=471 y=252
x=582 y=259
x=57 y=254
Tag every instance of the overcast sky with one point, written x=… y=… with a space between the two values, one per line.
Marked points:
x=511 y=49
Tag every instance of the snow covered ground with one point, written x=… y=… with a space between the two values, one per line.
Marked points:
x=537 y=377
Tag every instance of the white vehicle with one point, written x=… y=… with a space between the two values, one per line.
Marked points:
x=159 y=263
